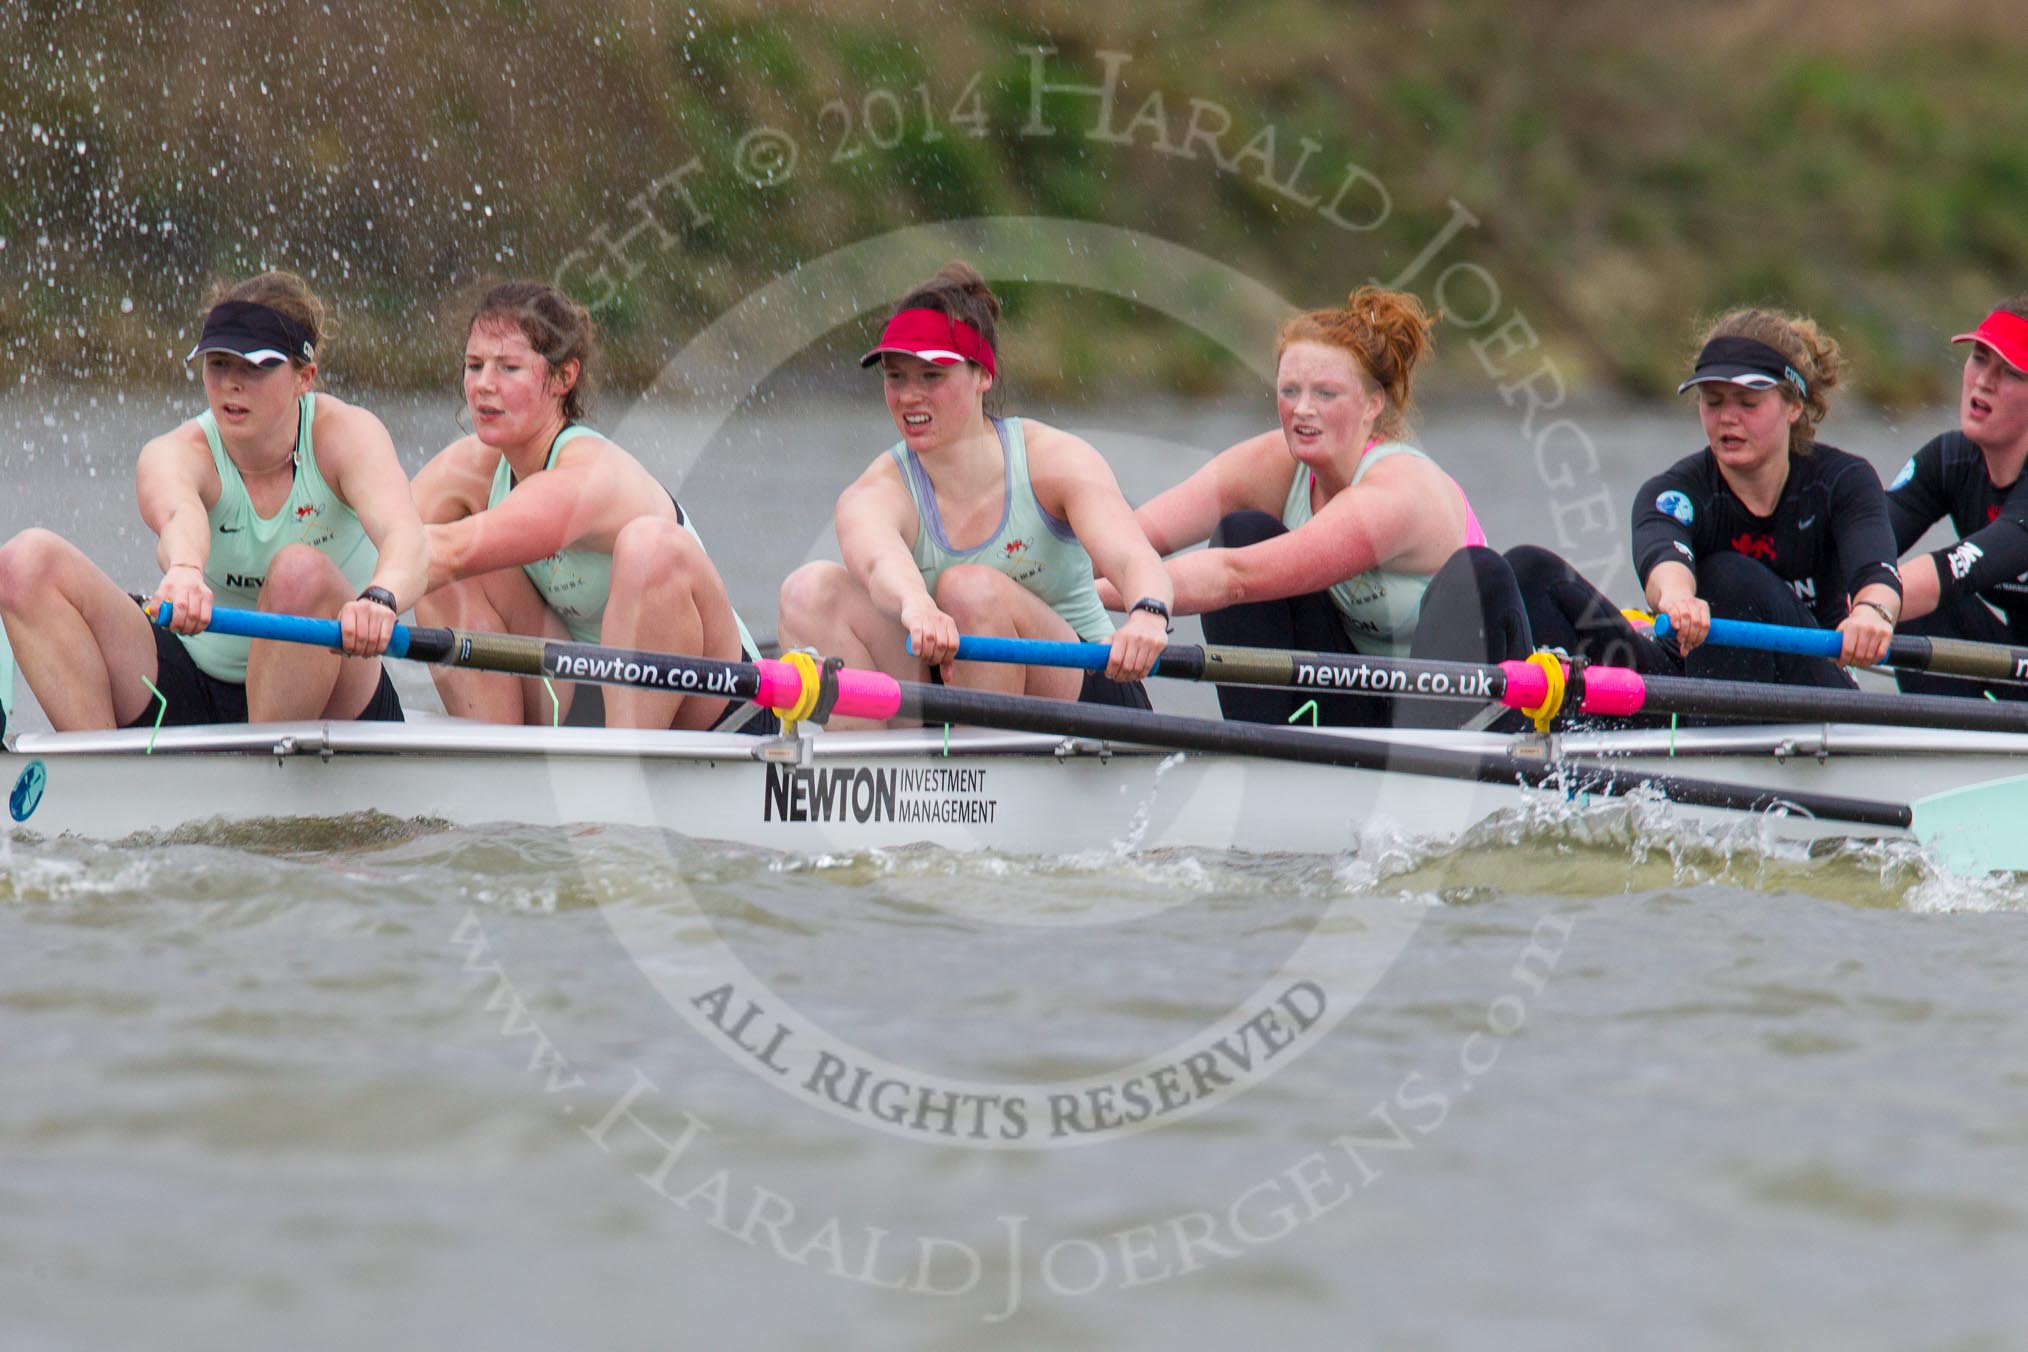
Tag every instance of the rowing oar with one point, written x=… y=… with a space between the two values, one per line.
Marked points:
x=800 y=689
x=1944 y=656
x=772 y=684
x=1612 y=691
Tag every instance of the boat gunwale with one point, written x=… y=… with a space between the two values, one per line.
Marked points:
x=441 y=735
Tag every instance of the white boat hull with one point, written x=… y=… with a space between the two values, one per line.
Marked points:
x=1008 y=792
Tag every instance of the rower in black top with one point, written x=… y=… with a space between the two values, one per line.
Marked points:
x=1831 y=510
x=1763 y=524
x=1972 y=476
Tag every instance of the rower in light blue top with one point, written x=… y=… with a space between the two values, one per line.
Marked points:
x=245 y=540
x=1031 y=546
x=977 y=524
x=278 y=497
x=539 y=525
x=575 y=583
x=1380 y=606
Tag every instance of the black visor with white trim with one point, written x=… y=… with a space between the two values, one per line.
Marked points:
x=1743 y=361
x=245 y=328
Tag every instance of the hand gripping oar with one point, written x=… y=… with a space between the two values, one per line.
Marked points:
x=1526 y=685
x=789 y=686
x=798 y=689
x=1944 y=656
x=1538 y=688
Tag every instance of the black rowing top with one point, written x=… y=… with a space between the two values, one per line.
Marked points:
x=1827 y=537
x=1948 y=478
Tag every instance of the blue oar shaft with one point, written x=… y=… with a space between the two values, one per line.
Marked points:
x=1913 y=652
x=1606 y=690
x=777 y=685
x=283 y=628
x=1327 y=673
x=1041 y=652
x=1767 y=638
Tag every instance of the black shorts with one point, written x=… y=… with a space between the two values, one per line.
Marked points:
x=196 y=697
x=1098 y=688
x=588 y=710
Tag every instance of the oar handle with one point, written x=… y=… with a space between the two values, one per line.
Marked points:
x=1518 y=685
x=1771 y=638
x=1913 y=652
x=776 y=684
x=318 y=633
x=1039 y=652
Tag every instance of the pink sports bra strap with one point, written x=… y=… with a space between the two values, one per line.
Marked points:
x=1474 y=533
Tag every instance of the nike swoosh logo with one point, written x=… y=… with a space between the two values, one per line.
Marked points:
x=227 y=530
x=1804 y=524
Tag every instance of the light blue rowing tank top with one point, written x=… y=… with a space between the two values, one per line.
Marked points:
x=1379 y=608
x=575 y=583
x=244 y=544
x=1030 y=545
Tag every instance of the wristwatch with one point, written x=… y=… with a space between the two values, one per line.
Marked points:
x=1153 y=607
x=380 y=596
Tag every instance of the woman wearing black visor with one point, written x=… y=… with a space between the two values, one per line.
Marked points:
x=1765 y=523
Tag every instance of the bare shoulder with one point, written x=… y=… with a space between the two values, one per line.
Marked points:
x=1058 y=460
x=596 y=450
x=1262 y=448
x=1053 y=443
x=350 y=423
x=882 y=476
x=1404 y=470
x=456 y=481
x=348 y=440
x=464 y=458
x=184 y=442
x=173 y=463
x=878 y=494
x=1261 y=461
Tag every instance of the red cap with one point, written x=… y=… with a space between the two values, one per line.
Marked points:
x=2006 y=334
x=933 y=336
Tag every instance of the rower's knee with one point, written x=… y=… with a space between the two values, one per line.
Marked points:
x=438 y=607
x=303 y=581
x=31 y=568
x=1478 y=569
x=460 y=604
x=1247 y=526
x=1535 y=569
x=650 y=554
x=1741 y=588
x=975 y=596
x=811 y=600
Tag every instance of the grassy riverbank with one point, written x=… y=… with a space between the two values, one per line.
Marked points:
x=1604 y=172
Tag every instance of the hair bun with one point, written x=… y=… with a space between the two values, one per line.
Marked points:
x=964 y=279
x=1386 y=333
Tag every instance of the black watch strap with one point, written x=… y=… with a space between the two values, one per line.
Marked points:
x=380 y=596
x=1153 y=607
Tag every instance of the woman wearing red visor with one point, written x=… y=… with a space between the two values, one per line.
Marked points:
x=976 y=524
x=1976 y=588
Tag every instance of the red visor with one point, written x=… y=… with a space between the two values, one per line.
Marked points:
x=2006 y=334
x=934 y=337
